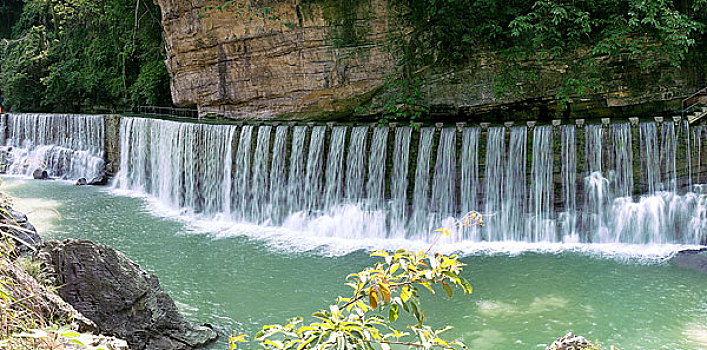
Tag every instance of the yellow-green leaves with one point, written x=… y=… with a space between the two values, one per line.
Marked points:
x=357 y=321
x=393 y=313
x=234 y=339
x=372 y=298
x=447 y=289
x=406 y=293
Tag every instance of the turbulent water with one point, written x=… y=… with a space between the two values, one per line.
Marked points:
x=66 y=146
x=536 y=185
x=286 y=210
x=600 y=184
x=520 y=302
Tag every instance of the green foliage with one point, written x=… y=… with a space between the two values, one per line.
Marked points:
x=380 y=295
x=551 y=32
x=9 y=12
x=76 y=55
x=403 y=102
x=243 y=9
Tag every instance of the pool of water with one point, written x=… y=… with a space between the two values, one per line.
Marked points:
x=522 y=300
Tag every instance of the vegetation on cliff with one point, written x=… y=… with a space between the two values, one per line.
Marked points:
x=578 y=38
x=80 y=55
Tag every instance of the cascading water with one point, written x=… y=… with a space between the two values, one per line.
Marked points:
x=421 y=222
x=623 y=160
x=668 y=153
x=568 y=158
x=66 y=146
x=469 y=186
x=335 y=167
x=355 y=163
x=650 y=160
x=513 y=207
x=493 y=187
x=376 y=168
x=444 y=183
x=399 y=182
x=542 y=224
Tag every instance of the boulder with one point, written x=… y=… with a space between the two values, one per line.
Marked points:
x=81 y=182
x=40 y=174
x=41 y=301
x=120 y=297
x=98 y=181
x=570 y=342
x=692 y=259
x=25 y=235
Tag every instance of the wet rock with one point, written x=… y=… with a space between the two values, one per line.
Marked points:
x=98 y=181
x=81 y=182
x=570 y=342
x=692 y=259
x=40 y=174
x=120 y=297
x=25 y=235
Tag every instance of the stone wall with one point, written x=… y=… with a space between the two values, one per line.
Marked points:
x=321 y=59
x=112 y=144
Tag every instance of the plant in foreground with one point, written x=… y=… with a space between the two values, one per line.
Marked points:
x=380 y=293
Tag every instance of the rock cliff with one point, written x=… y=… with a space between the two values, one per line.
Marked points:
x=324 y=58
x=226 y=63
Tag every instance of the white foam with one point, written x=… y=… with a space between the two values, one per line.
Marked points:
x=340 y=234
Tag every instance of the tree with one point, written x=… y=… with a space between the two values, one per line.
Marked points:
x=80 y=55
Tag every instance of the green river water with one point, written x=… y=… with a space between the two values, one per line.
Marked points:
x=520 y=301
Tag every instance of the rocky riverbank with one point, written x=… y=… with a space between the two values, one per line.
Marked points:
x=119 y=296
x=90 y=287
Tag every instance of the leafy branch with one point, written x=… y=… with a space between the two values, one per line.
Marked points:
x=379 y=294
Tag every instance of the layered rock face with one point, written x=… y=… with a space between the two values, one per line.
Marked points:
x=325 y=58
x=315 y=58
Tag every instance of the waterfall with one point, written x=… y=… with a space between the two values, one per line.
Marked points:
x=668 y=153
x=364 y=182
x=469 y=178
x=421 y=224
x=640 y=183
x=66 y=146
x=623 y=160
x=313 y=174
x=278 y=176
x=260 y=208
x=493 y=187
x=650 y=160
x=513 y=207
x=399 y=182
x=568 y=158
x=181 y=164
x=242 y=185
x=295 y=183
x=542 y=190
x=376 y=167
x=443 y=200
x=355 y=163
x=335 y=167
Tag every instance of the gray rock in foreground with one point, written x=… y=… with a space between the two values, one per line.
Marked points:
x=119 y=296
x=39 y=174
x=570 y=342
x=26 y=235
x=692 y=259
